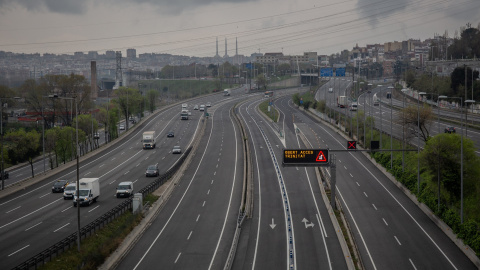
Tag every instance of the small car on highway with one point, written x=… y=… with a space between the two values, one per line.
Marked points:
x=176 y=150
x=69 y=191
x=209 y=104
x=122 y=127
x=171 y=134
x=59 y=186
x=195 y=107
x=125 y=189
x=152 y=170
x=450 y=130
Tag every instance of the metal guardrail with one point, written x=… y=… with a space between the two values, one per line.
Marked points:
x=89 y=229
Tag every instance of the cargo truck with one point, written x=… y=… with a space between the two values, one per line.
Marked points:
x=148 y=139
x=88 y=191
x=184 y=115
x=226 y=92
x=342 y=101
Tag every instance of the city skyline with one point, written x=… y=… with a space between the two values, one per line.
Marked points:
x=192 y=27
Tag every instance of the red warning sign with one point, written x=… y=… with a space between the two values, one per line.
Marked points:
x=321 y=157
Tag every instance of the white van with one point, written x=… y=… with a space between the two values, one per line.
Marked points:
x=125 y=189
x=69 y=191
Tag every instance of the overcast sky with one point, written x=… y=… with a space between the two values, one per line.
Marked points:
x=190 y=27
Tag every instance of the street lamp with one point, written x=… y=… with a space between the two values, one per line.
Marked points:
x=2 y=170
x=461 y=153
x=403 y=130
x=371 y=128
x=418 y=141
x=391 y=126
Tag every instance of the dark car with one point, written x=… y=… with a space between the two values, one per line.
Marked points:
x=4 y=175
x=59 y=186
x=152 y=170
x=450 y=130
x=171 y=134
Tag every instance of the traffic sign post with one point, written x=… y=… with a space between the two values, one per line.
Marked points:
x=352 y=145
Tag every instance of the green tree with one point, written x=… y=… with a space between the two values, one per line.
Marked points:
x=152 y=97
x=27 y=145
x=128 y=101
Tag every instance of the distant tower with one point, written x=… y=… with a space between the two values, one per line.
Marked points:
x=118 y=70
x=216 y=55
x=226 y=55
x=93 y=80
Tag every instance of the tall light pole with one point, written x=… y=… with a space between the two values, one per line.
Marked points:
x=2 y=170
x=373 y=122
x=391 y=126
x=461 y=153
x=418 y=141
x=403 y=130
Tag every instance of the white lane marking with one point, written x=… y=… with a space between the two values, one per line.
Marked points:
x=197 y=218
x=34 y=226
x=101 y=165
x=413 y=265
x=397 y=240
x=18 y=250
x=203 y=204
x=66 y=209
x=12 y=209
x=358 y=184
x=178 y=256
x=345 y=167
x=351 y=175
x=112 y=182
x=137 y=165
x=113 y=158
x=212 y=182
x=190 y=234
x=94 y=208
x=126 y=172
x=87 y=173
x=122 y=153
x=44 y=195
x=374 y=206
x=61 y=227
x=218 y=159
x=208 y=192
x=365 y=194
x=385 y=221
x=216 y=166
x=163 y=157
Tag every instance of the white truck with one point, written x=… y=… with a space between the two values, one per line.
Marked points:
x=88 y=191
x=376 y=100
x=342 y=101
x=184 y=115
x=148 y=139
x=226 y=92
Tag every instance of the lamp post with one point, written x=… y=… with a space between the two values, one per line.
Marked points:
x=391 y=125
x=403 y=130
x=418 y=141
x=369 y=92
x=461 y=153
x=2 y=170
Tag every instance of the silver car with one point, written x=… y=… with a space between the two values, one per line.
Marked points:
x=176 y=150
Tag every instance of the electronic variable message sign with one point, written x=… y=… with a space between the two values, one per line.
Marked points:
x=305 y=157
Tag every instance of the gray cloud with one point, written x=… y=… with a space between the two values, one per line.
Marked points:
x=56 y=6
x=374 y=10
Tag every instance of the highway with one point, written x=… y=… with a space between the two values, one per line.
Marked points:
x=195 y=228
x=390 y=230
x=34 y=214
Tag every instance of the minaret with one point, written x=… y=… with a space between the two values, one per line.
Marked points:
x=216 y=55
x=226 y=55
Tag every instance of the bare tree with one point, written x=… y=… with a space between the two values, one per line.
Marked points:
x=413 y=121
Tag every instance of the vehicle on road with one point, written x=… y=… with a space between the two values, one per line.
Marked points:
x=59 y=186
x=226 y=92
x=184 y=106
x=376 y=101
x=176 y=150
x=69 y=191
x=148 y=140
x=4 y=175
x=152 y=170
x=184 y=115
x=450 y=130
x=353 y=107
x=88 y=190
x=125 y=189
x=171 y=134
x=342 y=101
x=209 y=104
x=96 y=135
x=330 y=90
x=202 y=108
x=122 y=127
x=195 y=107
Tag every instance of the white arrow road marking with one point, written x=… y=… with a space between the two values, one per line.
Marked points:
x=304 y=220
x=273 y=224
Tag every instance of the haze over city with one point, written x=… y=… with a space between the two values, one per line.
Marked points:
x=190 y=27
